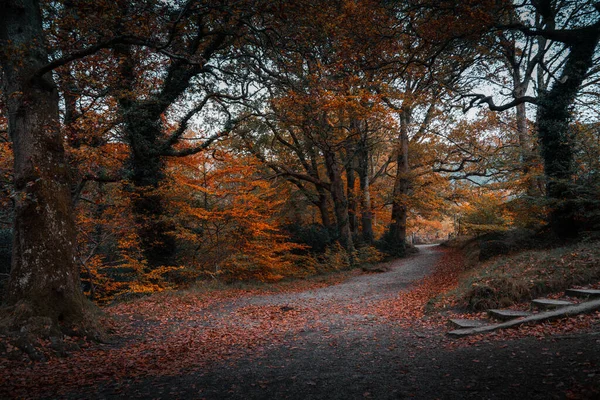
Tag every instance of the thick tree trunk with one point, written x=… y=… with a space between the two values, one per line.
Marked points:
x=323 y=206
x=556 y=137
x=142 y=120
x=334 y=171
x=397 y=233
x=44 y=277
x=154 y=229
x=366 y=216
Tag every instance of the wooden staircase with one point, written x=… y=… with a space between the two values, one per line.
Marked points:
x=541 y=310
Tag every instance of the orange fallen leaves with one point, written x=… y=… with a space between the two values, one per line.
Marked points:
x=168 y=333
x=163 y=335
x=410 y=305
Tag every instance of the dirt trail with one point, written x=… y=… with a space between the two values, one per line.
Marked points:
x=364 y=288
x=352 y=354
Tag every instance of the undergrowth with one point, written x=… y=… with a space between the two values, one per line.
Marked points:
x=512 y=279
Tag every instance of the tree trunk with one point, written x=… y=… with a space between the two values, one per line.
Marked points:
x=365 y=192
x=526 y=155
x=366 y=213
x=323 y=207
x=334 y=171
x=324 y=196
x=351 y=195
x=397 y=234
x=154 y=228
x=142 y=120
x=556 y=137
x=44 y=277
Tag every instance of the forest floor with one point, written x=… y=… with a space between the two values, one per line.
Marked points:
x=363 y=336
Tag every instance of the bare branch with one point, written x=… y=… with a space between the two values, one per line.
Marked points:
x=480 y=99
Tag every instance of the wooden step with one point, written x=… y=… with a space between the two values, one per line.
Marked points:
x=466 y=323
x=505 y=315
x=587 y=293
x=550 y=304
x=576 y=309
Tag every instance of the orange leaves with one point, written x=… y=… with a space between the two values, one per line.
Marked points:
x=164 y=335
x=227 y=211
x=410 y=305
x=485 y=212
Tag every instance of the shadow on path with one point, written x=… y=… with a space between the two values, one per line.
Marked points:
x=354 y=355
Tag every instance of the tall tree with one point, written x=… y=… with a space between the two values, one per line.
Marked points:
x=44 y=277
x=310 y=66
x=200 y=39
x=576 y=27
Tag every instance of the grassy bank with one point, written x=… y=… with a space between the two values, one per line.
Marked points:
x=514 y=278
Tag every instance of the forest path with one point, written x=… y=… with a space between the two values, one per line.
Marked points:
x=336 y=343
x=358 y=290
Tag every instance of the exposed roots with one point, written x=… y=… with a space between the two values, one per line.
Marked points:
x=23 y=334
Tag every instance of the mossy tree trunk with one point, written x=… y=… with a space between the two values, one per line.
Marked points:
x=44 y=279
x=555 y=135
x=340 y=202
x=366 y=216
x=351 y=193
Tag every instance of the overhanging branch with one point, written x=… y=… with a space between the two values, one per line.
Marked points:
x=480 y=99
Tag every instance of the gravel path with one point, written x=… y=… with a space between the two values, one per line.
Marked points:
x=364 y=288
x=353 y=355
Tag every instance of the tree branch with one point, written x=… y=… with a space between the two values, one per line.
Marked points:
x=479 y=99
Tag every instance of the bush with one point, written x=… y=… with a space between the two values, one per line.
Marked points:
x=386 y=245
x=335 y=258
x=316 y=236
x=368 y=255
x=501 y=292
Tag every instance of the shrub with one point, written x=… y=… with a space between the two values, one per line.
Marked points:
x=368 y=255
x=500 y=292
x=316 y=236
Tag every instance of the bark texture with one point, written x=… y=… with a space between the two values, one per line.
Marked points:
x=44 y=277
x=334 y=171
x=366 y=216
x=397 y=233
x=143 y=130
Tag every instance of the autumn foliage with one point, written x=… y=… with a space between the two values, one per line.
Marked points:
x=249 y=141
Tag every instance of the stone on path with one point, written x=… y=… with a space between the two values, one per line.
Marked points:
x=550 y=304
x=505 y=315
x=591 y=293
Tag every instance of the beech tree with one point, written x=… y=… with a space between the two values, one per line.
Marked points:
x=436 y=47
x=320 y=81
x=44 y=277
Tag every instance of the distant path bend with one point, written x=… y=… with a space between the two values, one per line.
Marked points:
x=368 y=287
